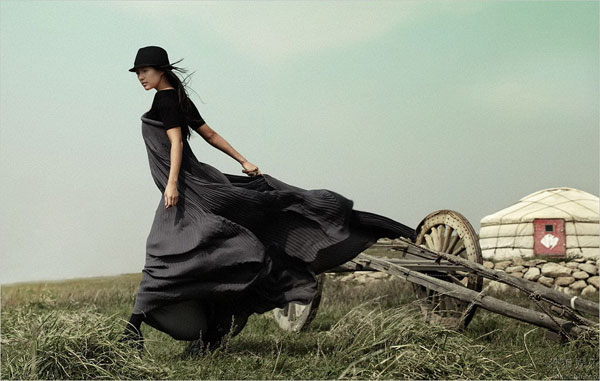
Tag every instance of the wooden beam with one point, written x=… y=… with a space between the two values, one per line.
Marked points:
x=579 y=304
x=480 y=299
x=417 y=264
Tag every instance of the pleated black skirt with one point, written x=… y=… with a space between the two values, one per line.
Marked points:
x=245 y=244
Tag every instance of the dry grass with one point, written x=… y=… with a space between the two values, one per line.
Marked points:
x=69 y=330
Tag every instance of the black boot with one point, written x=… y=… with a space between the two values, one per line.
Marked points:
x=132 y=334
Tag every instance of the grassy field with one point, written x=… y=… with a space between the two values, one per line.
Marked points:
x=68 y=330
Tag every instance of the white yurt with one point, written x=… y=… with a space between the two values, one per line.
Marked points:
x=555 y=222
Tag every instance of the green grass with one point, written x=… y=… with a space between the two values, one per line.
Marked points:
x=69 y=330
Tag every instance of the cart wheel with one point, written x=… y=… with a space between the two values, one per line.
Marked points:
x=450 y=232
x=296 y=316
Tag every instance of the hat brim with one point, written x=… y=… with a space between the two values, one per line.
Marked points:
x=169 y=66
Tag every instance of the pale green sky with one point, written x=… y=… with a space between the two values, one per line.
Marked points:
x=403 y=107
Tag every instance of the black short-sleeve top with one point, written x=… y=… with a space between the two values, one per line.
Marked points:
x=165 y=108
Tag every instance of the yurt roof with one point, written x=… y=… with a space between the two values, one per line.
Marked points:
x=567 y=203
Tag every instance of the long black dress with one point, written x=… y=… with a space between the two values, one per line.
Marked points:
x=244 y=244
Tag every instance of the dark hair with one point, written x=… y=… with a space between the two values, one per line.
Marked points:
x=185 y=102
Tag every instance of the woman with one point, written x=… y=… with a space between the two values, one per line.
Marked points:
x=223 y=246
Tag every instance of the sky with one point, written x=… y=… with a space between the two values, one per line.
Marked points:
x=404 y=107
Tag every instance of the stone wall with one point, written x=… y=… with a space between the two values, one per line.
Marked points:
x=575 y=276
x=362 y=277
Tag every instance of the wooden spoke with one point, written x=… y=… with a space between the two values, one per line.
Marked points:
x=292 y=310
x=436 y=239
x=461 y=253
x=459 y=246
x=449 y=232
x=453 y=241
x=446 y=240
x=429 y=242
x=296 y=316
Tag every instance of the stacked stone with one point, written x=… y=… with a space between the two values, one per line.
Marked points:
x=363 y=277
x=576 y=276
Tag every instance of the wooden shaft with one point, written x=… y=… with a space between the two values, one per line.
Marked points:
x=465 y=294
x=417 y=264
x=579 y=304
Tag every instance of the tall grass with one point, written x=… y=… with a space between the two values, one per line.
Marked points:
x=396 y=343
x=69 y=330
x=62 y=344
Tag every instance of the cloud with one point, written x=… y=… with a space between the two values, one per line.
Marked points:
x=274 y=32
x=521 y=96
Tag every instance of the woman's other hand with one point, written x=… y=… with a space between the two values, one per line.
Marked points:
x=250 y=169
x=171 y=195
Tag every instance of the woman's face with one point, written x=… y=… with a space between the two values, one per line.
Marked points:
x=149 y=77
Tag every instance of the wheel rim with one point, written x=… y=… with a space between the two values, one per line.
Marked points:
x=297 y=316
x=449 y=232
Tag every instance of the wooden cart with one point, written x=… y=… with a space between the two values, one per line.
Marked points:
x=445 y=267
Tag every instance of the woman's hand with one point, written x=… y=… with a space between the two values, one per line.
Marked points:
x=250 y=169
x=171 y=195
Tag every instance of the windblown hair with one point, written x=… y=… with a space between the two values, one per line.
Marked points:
x=185 y=102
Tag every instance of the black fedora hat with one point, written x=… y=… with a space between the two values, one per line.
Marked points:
x=152 y=56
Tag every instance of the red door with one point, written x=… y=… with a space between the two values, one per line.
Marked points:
x=549 y=237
